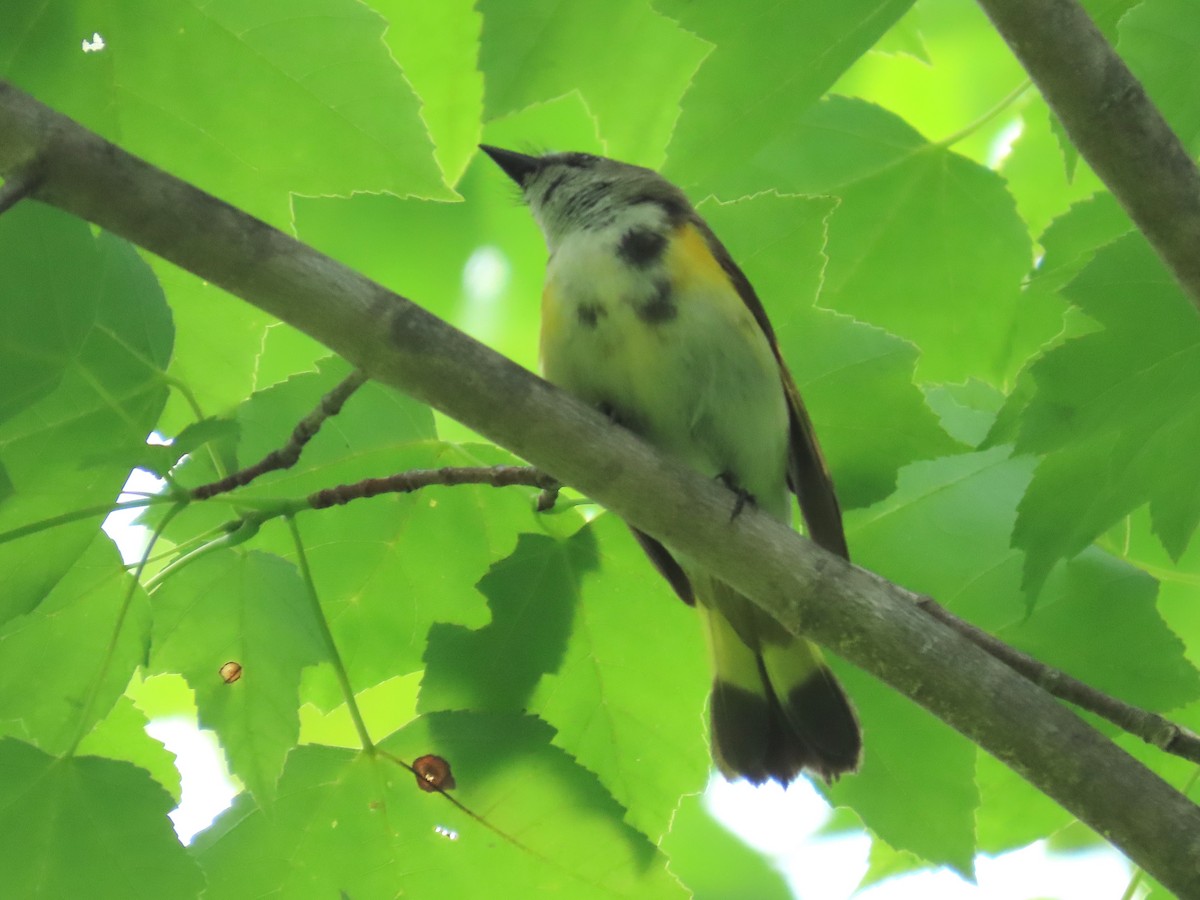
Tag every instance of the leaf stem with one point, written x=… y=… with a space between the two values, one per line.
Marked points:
x=1012 y=97
x=334 y=656
x=237 y=532
x=109 y=651
x=77 y=515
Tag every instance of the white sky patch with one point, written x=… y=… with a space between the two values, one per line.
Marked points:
x=206 y=788
x=131 y=539
x=783 y=825
x=485 y=278
x=95 y=45
x=1002 y=146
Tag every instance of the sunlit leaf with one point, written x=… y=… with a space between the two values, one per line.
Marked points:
x=360 y=825
x=239 y=628
x=87 y=827
x=102 y=334
x=320 y=107
x=1112 y=409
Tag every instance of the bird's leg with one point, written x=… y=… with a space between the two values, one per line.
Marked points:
x=742 y=496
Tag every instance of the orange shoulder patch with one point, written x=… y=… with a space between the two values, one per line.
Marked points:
x=691 y=263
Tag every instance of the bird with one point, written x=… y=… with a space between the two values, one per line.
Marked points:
x=646 y=317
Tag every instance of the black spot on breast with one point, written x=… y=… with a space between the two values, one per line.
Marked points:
x=590 y=314
x=641 y=247
x=660 y=307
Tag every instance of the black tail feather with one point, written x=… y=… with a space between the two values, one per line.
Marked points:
x=756 y=737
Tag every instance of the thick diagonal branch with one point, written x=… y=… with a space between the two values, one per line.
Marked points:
x=874 y=624
x=1112 y=122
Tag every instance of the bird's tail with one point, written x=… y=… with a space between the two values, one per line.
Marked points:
x=776 y=708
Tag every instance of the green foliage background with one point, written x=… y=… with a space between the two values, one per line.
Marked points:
x=1005 y=379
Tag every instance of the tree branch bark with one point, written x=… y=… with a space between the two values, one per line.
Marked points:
x=875 y=625
x=1112 y=122
x=1151 y=728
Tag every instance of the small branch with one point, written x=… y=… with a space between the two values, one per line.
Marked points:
x=17 y=187
x=1150 y=727
x=407 y=482
x=285 y=457
x=1114 y=124
x=548 y=497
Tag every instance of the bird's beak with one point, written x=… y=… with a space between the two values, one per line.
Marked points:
x=516 y=166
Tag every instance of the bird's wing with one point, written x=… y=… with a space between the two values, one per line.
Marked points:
x=808 y=475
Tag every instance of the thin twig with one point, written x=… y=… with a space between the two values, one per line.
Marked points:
x=548 y=497
x=17 y=187
x=285 y=457
x=415 y=479
x=1150 y=727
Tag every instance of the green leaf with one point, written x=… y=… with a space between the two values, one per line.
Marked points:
x=916 y=787
x=1035 y=173
x=87 y=827
x=1111 y=409
x=1107 y=14
x=33 y=357
x=533 y=596
x=1072 y=239
x=1160 y=41
x=437 y=44
x=965 y=76
x=373 y=422
x=923 y=242
x=780 y=243
x=1130 y=652
x=542 y=49
x=1133 y=540
x=713 y=863
x=217 y=349
x=58 y=673
x=967 y=411
x=887 y=862
x=1012 y=813
x=477 y=264
x=122 y=735
x=904 y=37
x=361 y=826
x=376 y=561
x=387 y=707
x=572 y=638
x=770 y=63
x=628 y=697
x=62 y=452
x=320 y=106
x=944 y=533
x=250 y=609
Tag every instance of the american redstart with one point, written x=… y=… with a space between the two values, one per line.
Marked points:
x=647 y=317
